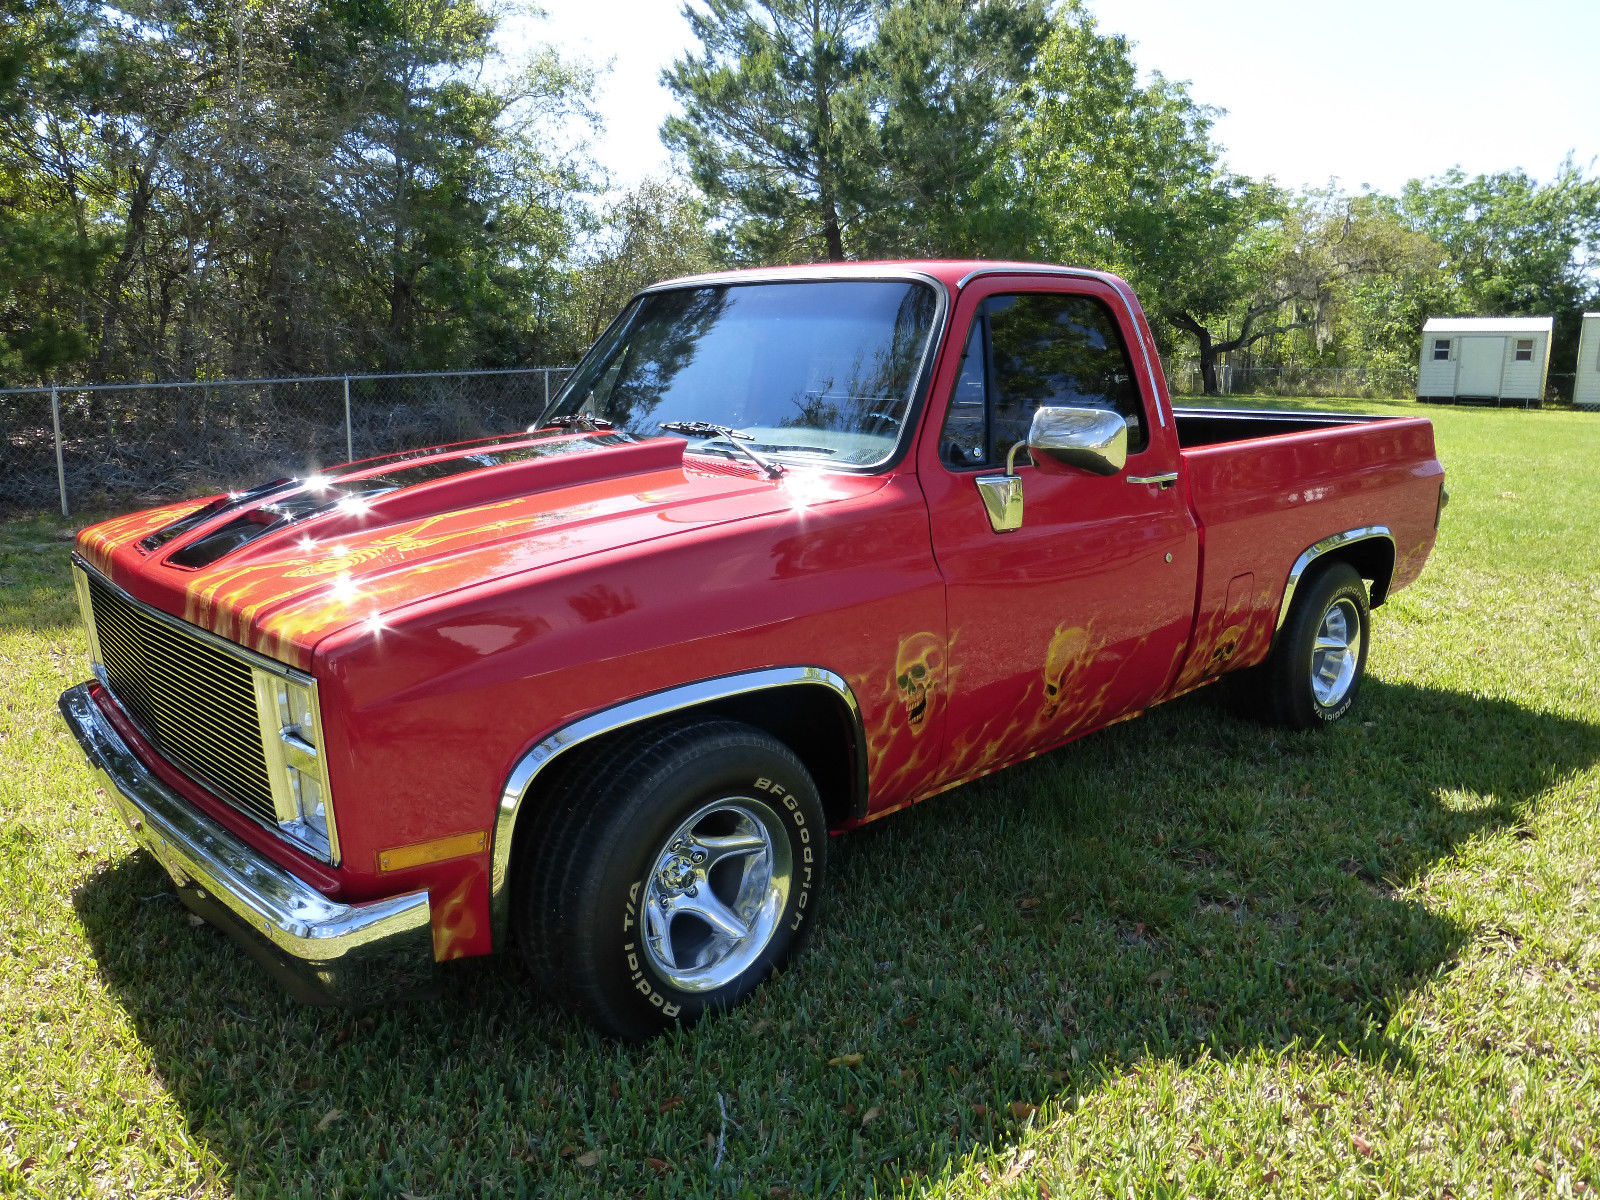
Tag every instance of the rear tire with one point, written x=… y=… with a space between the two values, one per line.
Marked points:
x=675 y=869
x=1314 y=672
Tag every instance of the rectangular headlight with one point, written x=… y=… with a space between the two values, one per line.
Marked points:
x=291 y=734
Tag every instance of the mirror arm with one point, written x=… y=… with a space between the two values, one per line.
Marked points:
x=1011 y=456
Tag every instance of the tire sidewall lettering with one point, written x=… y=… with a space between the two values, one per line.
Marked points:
x=1327 y=714
x=668 y=1001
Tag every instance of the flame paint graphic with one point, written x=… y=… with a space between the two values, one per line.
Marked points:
x=455 y=922
x=1222 y=640
x=97 y=542
x=275 y=608
x=901 y=759
x=1064 y=698
x=1061 y=700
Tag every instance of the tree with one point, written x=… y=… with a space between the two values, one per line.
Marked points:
x=49 y=253
x=843 y=128
x=460 y=218
x=1514 y=246
x=1297 y=269
x=656 y=231
x=242 y=186
x=1124 y=175
x=772 y=106
x=943 y=84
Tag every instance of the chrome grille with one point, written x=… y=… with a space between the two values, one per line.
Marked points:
x=194 y=701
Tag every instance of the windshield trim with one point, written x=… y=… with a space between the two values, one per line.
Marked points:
x=921 y=380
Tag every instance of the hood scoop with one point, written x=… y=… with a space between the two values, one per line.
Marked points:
x=355 y=498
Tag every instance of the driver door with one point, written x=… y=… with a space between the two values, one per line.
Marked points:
x=1081 y=614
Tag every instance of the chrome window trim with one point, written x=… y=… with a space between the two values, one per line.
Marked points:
x=632 y=712
x=1080 y=273
x=274 y=747
x=1316 y=550
x=921 y=384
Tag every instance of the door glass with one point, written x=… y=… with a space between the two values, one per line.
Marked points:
x=965 y=440
x=1044 y=349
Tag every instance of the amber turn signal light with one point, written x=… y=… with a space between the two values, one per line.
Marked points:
x=456 y=845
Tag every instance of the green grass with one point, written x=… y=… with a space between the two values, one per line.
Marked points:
x=1188 y=956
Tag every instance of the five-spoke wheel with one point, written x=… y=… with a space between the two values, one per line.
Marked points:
x=715 y=893
x=1336 y=653
x=671 y=871
x=1316 y=664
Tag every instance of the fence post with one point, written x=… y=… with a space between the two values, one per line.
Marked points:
x=61 y=466
x=546 y=374
x=349 y=437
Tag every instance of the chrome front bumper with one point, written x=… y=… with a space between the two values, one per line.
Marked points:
x=321 y=950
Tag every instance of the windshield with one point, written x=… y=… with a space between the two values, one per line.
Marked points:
x=816 y=371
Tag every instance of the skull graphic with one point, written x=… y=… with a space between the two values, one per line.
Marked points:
x=1227 y=643
x=1066 y=656
x=916 y=667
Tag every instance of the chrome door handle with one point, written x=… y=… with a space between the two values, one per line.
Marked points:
x=1166 y=481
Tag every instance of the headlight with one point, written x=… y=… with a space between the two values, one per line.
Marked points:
x=291 y=732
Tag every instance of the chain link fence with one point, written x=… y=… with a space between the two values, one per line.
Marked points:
x=112 y=444
x=1359 y=382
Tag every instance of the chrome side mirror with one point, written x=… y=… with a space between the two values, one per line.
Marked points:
x=1090 y=439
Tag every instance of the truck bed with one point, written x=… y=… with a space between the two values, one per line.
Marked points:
x=1265 y=486
x=1214 y=426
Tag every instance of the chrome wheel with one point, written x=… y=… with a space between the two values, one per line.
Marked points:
x=1336 y=653
x=715 y=892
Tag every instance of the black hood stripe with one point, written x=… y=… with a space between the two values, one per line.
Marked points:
x=273 y=507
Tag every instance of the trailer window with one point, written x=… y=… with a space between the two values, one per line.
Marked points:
x=1441 y=349
x=1524 y=349
x=1030 y=350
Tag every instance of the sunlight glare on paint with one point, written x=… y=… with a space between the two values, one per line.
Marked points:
x=317 y=482
x=807 y=488
x=374 y=624
x=353 y=506
x=344 y=588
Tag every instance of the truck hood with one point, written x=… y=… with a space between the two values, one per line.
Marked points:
x=282 y=566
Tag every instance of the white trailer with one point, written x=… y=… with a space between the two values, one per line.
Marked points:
x=1586 y=384
x=1485 y=359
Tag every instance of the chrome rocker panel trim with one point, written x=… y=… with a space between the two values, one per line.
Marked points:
x=632 y=712
x=1316 y=550
x=322 y=950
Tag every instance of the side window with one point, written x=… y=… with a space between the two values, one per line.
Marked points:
x=965 y=440
x=1441 y=349
x=1524 y=349
x=1030 y=350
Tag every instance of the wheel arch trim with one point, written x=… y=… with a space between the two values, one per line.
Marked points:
x=533 y=762
x=1320 y=549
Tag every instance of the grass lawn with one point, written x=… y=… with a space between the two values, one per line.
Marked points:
x=1188 y=956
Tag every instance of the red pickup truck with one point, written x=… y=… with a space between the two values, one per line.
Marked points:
x=792 y=550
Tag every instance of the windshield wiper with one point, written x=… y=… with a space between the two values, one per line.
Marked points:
x=795 y=448
x=736 y=439
x=575 y=421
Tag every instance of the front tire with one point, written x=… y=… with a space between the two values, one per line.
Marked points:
x=1315 y=669
x=680 y=865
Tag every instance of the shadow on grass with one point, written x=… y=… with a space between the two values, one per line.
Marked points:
x=1181 y=885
